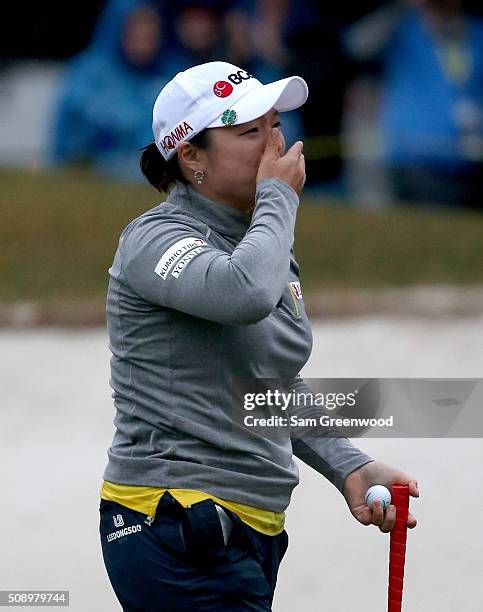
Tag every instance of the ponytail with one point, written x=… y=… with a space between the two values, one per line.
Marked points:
x=163 y=174
x=160 y=173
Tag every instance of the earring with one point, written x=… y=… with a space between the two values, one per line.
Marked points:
x=199 y=176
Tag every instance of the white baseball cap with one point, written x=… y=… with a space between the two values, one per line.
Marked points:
x=217 y=94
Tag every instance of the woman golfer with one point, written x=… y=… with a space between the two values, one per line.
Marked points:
x=204 y=289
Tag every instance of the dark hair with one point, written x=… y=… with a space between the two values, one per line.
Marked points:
x=162 y=174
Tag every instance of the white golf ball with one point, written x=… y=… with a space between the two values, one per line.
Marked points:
x=379 y=493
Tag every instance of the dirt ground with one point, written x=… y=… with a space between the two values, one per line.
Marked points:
x=57 y=424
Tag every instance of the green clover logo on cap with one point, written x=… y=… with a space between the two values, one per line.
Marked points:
x=228 y=117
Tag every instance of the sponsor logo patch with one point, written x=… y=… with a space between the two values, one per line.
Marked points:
x=175 y=252
x=240 y=76
x=228 y=117
x=179 y=133
x=183 y=262
x=296 y=290
x=222 y=89
x=118 y=520
x=120 y=533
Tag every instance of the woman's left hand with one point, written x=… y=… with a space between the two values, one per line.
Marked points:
x=376 y=472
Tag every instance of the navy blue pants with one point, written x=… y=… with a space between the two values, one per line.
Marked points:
x=180 y=562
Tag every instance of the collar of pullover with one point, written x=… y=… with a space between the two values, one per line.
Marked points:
x=220 y=217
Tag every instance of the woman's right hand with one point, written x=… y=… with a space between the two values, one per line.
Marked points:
x=289 y=168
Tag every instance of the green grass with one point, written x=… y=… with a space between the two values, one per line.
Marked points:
x=59 y=232
x=344 y=247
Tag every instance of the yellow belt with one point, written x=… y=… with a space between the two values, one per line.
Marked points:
x=145 y=500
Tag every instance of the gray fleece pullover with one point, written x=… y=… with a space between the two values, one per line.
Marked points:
x=199 y=294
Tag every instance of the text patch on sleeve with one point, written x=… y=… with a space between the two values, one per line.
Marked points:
x=177 y=256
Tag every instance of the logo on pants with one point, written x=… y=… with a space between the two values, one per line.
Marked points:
x=123 y=532
x=118 y=520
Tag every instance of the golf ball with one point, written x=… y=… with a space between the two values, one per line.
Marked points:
x=380 y=493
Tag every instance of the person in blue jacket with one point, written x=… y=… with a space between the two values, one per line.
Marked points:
x=97 y=118
x=431 y=110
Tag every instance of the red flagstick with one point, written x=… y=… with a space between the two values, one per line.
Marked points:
x=397 y=552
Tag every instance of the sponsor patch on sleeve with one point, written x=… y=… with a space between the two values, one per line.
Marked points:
x=183 y=262
x=296 y=290
x=178 y=255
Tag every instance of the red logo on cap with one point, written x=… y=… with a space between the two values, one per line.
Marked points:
x=179 y=133
x=168 y=143
x=222 y=89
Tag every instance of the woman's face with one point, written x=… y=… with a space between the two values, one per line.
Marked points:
x=232 y=160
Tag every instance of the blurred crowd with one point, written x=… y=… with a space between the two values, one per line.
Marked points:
x=107 y=93
x=404 y=83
